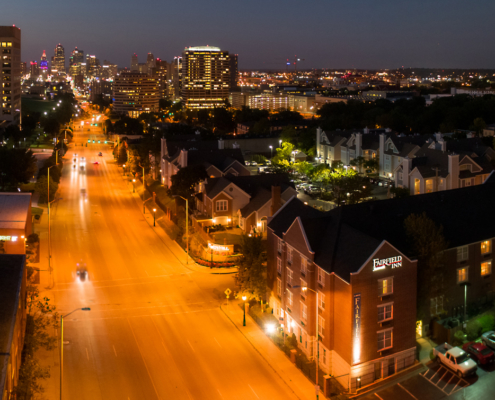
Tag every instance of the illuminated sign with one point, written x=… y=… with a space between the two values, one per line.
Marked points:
x=217 y=247
x=8 y=238
x=356 y=329
x=394 y=262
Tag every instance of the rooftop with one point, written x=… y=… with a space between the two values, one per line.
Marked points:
x=14 y=208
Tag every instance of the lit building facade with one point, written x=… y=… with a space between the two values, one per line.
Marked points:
x=76 y=60
x=234 y=70
x=43 y=67
x=134 y=63
x=135 y=93
x=10 y=75
x=58 y=63
x=205 y=77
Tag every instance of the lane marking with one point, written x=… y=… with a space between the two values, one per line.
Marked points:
x=407 y=391
x=253 y=391
x=220 y=393
x=147 y=273
x=378 y=396
x=191 y=346
x=217 y=342
x=87 y=354
x=115 y=351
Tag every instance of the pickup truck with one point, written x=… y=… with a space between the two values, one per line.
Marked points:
x=456 y=359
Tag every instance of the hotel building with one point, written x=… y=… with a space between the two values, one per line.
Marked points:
x=205 y=77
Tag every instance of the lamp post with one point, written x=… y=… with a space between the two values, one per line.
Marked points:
x=244 y=301
x=271 y=152
x=62 y=345
x=123 y=170
x=465 y=284
x=133 y=186
x=304 y=289
x=187 y=227
x=154 y=216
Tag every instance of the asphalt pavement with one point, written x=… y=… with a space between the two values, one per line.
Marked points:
x=155 y=329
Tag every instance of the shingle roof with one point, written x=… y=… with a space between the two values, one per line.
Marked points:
x=219 y=158
x=14 y=208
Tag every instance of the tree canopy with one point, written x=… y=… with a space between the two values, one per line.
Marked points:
x=16 y=166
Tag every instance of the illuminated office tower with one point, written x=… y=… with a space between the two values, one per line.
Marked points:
x=10 y=75
x=234 y=71
x=135 y=93
x=205 y=77
x=76 y=60
x=134 y=63
x=59 y=60
x=43 y=69
x=150 y=62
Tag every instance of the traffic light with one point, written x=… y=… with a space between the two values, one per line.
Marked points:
x=93 y=141
x=89 y=140
x=98 y=141
x=105 y=142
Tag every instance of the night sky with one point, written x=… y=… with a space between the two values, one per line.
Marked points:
x=326 y=33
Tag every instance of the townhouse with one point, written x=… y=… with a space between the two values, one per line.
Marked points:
x=360 y=263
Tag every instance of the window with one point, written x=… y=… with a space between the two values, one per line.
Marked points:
x=462 y=275
x=321 y=277
x=279 y=265
x=321 y=300
x=303 y=285
x=304 y=266
x=429 y=185
x=289 y=255
x=280 y=245
x=289 y=298
x=486 y=247
x=385 y=286
x=486 y=268
x=321 y=326
x=385 y=339
x=221 y=205
x=279 y=287
x=400 y=176
x=385 y=312
x=289 y=276
x=304 y=311
x=462 y=253
x=436 y=306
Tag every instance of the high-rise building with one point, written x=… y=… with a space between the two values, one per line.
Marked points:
x=150 y=61
x=23 y=69
x=234 y=71
x=92 y=66
x=134 y=63
x=205 y=77
x=174 y=79
x=43 y=67
x=34 y=69
x=10 y=75
x=160 y=73
x=59 y=60
x=75 y=61
x=109 y=70
x=135 y=93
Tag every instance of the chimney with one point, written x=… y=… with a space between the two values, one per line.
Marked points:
x=366 y=130
x=276 y=199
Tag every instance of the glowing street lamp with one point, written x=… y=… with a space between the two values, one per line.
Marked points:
x=154 y=216
x=123 y=170
x=271 y=152
x=133 y=186
x=244 y=320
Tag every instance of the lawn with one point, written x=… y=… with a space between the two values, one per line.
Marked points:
x=35 y=105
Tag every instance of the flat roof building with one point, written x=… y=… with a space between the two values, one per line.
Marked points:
x=10 y=75
x=15 y=221
x=135 y=93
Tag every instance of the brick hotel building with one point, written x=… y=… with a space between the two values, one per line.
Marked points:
x=359 y=261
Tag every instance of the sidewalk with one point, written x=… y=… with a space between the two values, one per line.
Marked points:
x=288 y=372
x=426 y=345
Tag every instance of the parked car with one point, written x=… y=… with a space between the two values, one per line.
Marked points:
x=488 y=339
x=456 y=359
x=100 y=154
x=479 y=353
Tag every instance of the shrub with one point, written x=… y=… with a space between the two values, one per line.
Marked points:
x=487 y=323
x=473 y=330
x=459 y=338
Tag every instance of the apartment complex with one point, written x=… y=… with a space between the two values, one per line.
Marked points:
x=205 y=77
x=135 y=93
x=10 y=75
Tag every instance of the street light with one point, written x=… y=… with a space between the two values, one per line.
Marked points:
x=187 y=227
x=271 y=152
x=123 y=169
x=305 y=288
x=244 y=320
x=133 y=186
x=154 y=216
x=62 y=345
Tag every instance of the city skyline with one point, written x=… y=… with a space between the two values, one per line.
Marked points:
x=341 y=35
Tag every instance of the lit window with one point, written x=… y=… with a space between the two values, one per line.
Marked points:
x=303 y=285
x=304 y=311
x=429 y=186
x=221 y=205
x=321 y=277
x=289 y=297
x=279 y=265
x=324 y=356
x=486 y=247
x=279 y=287
x=280 y=244
x=384 y=339
x=385 y=312
x=304 y=266
x=321 y=326
x=321 y=300
x=385 y=286
x=462 y=253
x=486 y=268
x=289 y=255
x=289 y=276
x=462 y=275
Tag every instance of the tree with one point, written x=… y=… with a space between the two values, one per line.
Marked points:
x=478 y=125
x=41 y=187
x=252 y=266
x=16 y=166
x=428 y=244
x=304 y=168
x=346 y=186
x=186 y=179
x=261 y=127
x=400 y=192
x=122 y=152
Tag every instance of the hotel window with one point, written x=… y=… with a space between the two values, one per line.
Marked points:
x=221 y=205
x=289 y=276
x=321 y=300
x=289 y=297
x=462 y=275
x=385 y=286
x=486 y=268
x=486 y=247
x=303 y=285
x=279 y=266
x=304 y=266
x=321 y=277
x=280 y=245
x=385 y=339
x=279 y=287
x=289 y=255
x=429 y=185
x=385 y=312
x=462 y=253
x=436 y=306
x=304 y=311
x=321 y=326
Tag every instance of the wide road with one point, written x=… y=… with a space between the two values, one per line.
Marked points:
x=155 y=329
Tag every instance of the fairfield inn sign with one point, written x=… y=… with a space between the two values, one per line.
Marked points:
x=394 y=262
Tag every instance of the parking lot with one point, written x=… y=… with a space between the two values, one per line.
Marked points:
x=436 y=383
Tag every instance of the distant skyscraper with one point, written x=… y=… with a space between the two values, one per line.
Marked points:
x=76 y=60
x=160 y=72
x=23 y=69
x=10 y=75
x=205 y=77
x=234 y=71
x=92 y=66
x=43 y=68
x=34 y=70
x=59 y=59
x=134 y=63
x=174 y=78
x=150 y=62
x=135 y=93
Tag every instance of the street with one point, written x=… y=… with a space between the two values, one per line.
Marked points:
x=155 y=329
